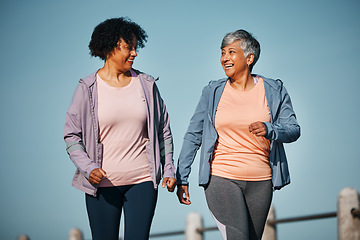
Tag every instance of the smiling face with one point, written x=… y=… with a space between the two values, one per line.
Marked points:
x=234 y=62
x=124 y=55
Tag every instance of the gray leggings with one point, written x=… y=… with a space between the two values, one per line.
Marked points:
x=240 y=208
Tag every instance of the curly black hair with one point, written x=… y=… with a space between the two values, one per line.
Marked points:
x=107 y=34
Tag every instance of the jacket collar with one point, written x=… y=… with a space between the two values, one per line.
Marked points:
x=218 y=88
x=90 y=80
x=273 y=83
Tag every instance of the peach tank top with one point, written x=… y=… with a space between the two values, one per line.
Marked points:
x=123 y=133
x=239 y=154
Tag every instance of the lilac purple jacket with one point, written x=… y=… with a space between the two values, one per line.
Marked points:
x=81 y=133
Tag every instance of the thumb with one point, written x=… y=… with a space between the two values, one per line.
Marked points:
x=187 y=196
x=164 y=182
x=103 y=173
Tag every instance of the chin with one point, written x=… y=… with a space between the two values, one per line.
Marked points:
x=229 y=75
x=127 y=68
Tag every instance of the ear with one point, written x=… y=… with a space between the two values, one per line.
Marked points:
x=118 y=46
x=250 y=59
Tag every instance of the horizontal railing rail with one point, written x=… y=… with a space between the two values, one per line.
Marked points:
x=355 y=212
x=302 y=218
x=347 y=214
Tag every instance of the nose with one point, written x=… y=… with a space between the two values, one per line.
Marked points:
x=224 y=57
x=133 y=52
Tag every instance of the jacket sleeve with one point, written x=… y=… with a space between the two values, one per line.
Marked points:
x=73 y=134
x=192 y=140
x=165 y=138
x=285 y=127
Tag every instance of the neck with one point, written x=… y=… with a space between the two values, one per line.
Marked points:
x=113 y=74
x=243 y=83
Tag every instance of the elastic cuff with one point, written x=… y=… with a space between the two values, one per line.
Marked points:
x=179 y=183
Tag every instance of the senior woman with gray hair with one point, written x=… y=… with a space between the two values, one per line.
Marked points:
x=240 y=123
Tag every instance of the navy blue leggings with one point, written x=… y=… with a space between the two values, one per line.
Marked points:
x=104 y=211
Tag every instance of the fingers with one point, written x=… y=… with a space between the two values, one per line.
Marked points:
x=181 y=191
x=258 y=129
x=170 y=183
x=96 y=175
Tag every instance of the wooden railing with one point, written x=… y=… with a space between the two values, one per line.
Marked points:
x=347 y=214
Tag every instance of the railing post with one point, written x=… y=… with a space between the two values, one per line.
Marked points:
x=75 y=234
x=23 y=237
x=193 y=222
x=270 y=229
x=348 y=225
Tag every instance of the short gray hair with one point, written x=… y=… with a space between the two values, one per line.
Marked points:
x=248 y=43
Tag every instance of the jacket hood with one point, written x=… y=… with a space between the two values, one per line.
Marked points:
x=145 y=76
x=90 y=80
x=276 y=84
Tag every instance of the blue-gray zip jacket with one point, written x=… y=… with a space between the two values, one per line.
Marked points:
x=201 y=132
x=81 y=133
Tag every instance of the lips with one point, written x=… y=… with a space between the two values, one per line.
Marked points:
x=228 y=66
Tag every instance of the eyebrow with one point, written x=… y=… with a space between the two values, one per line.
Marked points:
x=231 y=48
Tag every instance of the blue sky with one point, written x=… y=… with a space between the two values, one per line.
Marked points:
x=311 y=45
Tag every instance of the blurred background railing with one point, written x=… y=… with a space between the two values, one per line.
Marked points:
x=347 y=214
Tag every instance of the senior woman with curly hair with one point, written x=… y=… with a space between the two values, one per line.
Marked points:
x=241 y=123
x=117 y=133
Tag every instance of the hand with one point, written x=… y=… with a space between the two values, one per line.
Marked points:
x=258 y=129
x=170 y=183
x=181 y=190
x=96 y=175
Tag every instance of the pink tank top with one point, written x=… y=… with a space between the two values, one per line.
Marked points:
x=239 y=154
x=123 y=133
